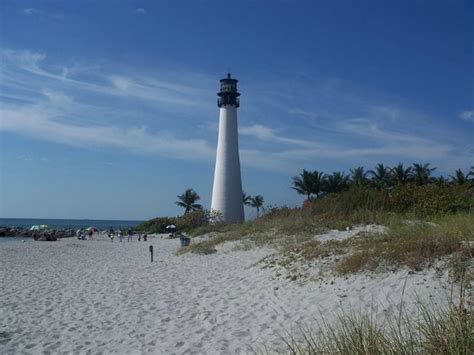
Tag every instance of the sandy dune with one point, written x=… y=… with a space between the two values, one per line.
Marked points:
x=76 y=295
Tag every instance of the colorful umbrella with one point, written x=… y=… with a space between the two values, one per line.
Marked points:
x=38 y=227
x=93 y=229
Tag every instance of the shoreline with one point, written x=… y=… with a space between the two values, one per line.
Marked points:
x=62 y=224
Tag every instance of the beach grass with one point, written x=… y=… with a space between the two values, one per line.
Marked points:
x=432 y=331
x=414 y=244
x=426 y=328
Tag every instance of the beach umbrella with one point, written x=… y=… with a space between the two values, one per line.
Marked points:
x=38 y=227
x=170 y=226
x=93 y=229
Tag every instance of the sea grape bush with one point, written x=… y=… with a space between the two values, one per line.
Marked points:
x=186 y=222
x=420 y=201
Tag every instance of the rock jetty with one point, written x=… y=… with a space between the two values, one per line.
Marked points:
x=41 y=235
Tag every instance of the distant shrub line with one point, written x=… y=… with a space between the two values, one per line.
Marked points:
x=419 y=201
x=186 y=222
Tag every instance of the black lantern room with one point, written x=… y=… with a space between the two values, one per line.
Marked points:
x=228 y=94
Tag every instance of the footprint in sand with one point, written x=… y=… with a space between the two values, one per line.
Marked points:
x=5 y=337
x=240 y=333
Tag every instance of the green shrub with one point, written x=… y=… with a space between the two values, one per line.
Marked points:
x=419 y=201
x=410 y=243
x=429 y=200
x=156 y=225
x=189 y=221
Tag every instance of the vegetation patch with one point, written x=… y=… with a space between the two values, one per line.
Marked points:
x=410 y=244
x=187 y=222
x=384 y=196
x=435 y=331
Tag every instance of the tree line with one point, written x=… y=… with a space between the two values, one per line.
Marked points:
x=316 y=183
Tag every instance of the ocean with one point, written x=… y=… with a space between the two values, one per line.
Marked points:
x=67 y=223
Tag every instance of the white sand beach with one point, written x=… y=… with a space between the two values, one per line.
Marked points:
x=75 y=296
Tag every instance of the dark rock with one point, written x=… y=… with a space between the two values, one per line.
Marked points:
x=27 y=233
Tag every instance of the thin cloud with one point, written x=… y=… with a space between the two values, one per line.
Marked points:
x=140 y=11
x=23 y=59
x=304 y=113
x=258 y=131
x=269 y=134
x=25 y=158
x=169 y=114
x=467 y=116
x=366 y=128
x=147 y=89
x=31 y=11
x=39 y=122
x=384 y=145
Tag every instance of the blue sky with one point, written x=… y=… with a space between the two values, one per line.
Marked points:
x=108 y=109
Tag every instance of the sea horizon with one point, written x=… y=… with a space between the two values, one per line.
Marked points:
x=71 y=223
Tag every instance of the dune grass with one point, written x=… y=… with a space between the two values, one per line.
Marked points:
x=406 y=243
x=283 y=226
x=433 y=331
x=424 y=223
x=424 y=329
x=414 y=244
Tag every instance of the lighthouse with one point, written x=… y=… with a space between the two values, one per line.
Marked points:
x=227 y=190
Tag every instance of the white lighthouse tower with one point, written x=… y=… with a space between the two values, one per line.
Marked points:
x=227 y=189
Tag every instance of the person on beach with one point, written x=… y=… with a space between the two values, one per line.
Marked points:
x=144 y=237
x=129 y=238
x=91 y=234
x=139 y=237
x=120 y=235
x=111 y=234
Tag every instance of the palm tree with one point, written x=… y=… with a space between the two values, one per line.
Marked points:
x=246 y=199
x=440 y=181
x=359 y=176
x=318 y=182
x=401 y=175
x=257 y=202
x=471 y=173
x=188 y=201
x=303 y=184
x=336 y=182
x=380 y=176
x=422 y=173
x=459 y=178
x=309 y=182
